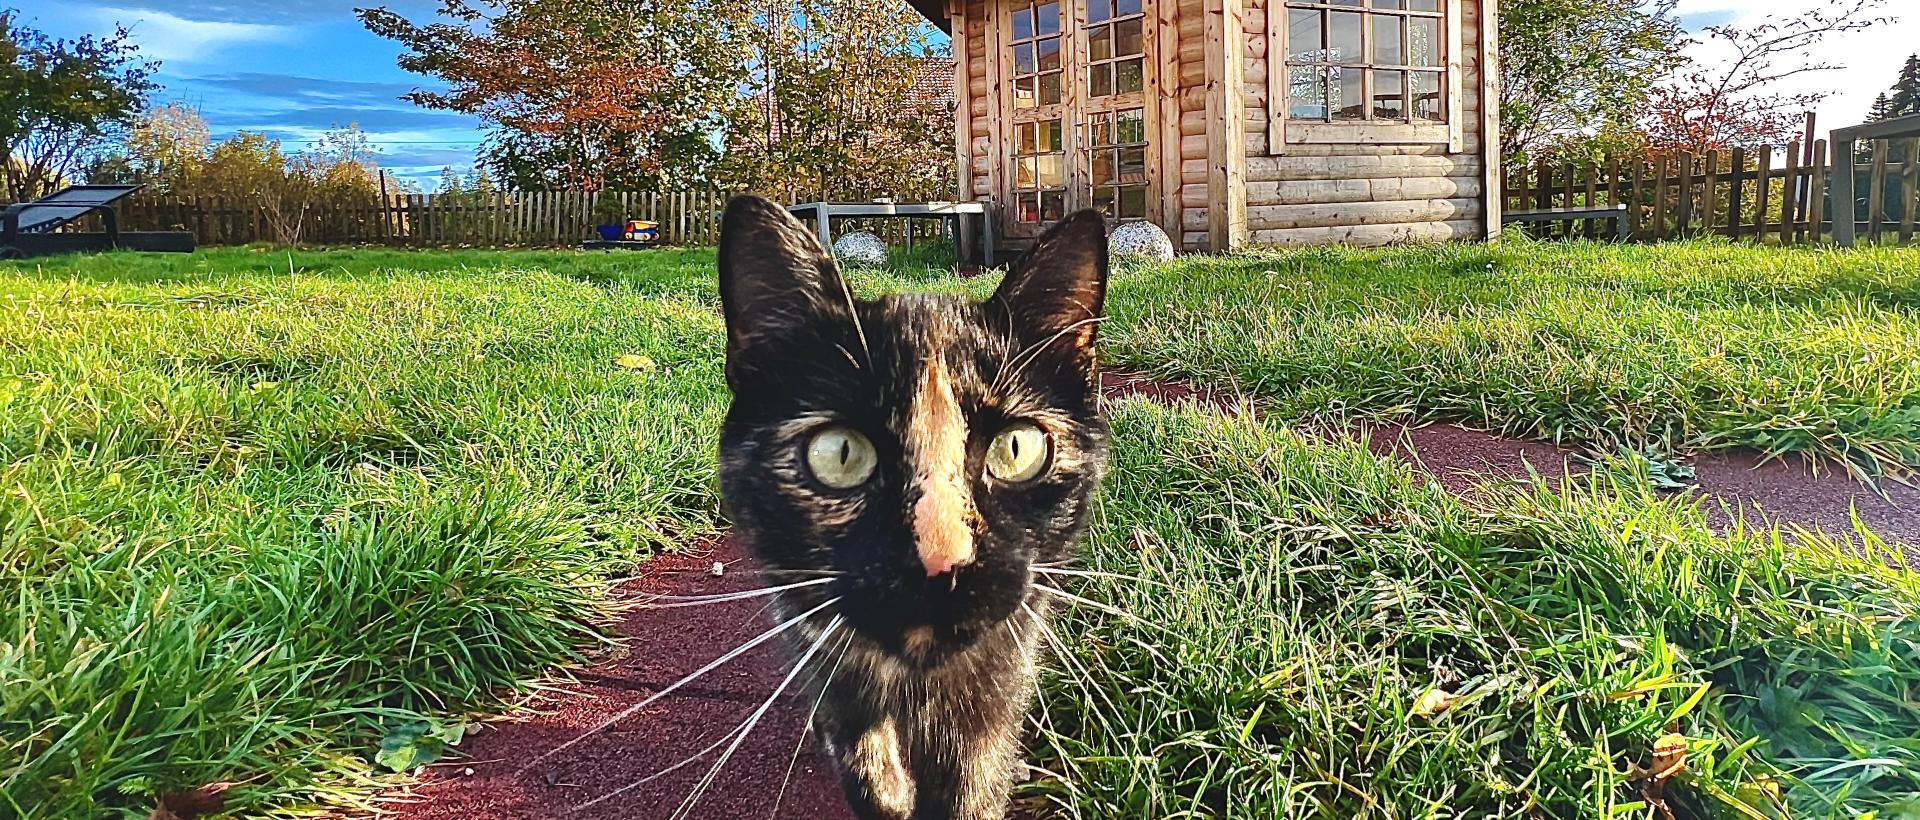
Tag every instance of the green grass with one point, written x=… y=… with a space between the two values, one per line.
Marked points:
x=1297 y=600
x=255 y=508
x=1675 y=347
x=246 y=518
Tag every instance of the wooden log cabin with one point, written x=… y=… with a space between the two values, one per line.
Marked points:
x=1230 y=122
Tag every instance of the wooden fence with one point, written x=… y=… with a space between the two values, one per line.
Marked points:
x=538 y=218
x=1761 y=194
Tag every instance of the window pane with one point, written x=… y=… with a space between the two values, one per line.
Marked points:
x=1390 y=4
x=1386 y=40
x=1303 y=34
x=1100 y=43
x=1023 y=92
x=1050 y=88
x=1133 y=164
x=1423 y=41
x=1050 y=173
x=1100 y=80
x=1133 y=202
x=1023 y=24
x=1389 y=95
x=1025 y=130
x=1052 y=204
x=1100 y=130
x=1098 y=10
x=1049 y=54
x=1103 y=167
x=1025 y=171
x=1347 y=2
x=1029 y=207
x=1424 y=5
x=1126 y=38
x=1306 y=93
x=1023 y=59
x=1130 y=126
x=1127 y=77
x=1426 y=96
x=1126 y=7
x=1050 y=135
x=1343 y=37
x=1347 y=99
x=1047 y=18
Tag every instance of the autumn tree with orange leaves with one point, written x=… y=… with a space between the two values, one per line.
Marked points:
x=591 y=94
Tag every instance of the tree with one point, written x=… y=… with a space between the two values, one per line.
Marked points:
x=1733 y=103
x=1576 y=74
x=167 y=148
x=846 y=96
x=60 y=99
x=1905 y=99
x=581 y=93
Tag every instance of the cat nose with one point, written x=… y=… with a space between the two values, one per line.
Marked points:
x=941 y=563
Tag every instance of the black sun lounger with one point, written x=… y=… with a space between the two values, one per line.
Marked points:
x=28 y=228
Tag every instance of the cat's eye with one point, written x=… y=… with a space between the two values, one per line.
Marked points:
x=840 y=458
x=1019 y=453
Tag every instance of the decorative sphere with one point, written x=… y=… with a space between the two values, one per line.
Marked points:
x=1139 y=241
x=861 y=249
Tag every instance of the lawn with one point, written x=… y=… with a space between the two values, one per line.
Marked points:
x=255 y=508
x=1671 y=348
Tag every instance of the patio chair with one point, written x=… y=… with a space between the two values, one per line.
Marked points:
x=29 y=228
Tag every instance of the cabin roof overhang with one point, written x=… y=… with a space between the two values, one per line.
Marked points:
x=935 y=11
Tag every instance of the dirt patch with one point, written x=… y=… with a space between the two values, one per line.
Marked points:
x=662 y=645
x=1787 y=492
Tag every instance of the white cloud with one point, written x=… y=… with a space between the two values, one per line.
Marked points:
x=1868 y=60
x=174 y=40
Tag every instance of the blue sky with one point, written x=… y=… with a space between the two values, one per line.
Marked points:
x=290 y=70
x=293 y=70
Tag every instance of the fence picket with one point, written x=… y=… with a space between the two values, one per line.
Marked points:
x=1877 y=190
x=1909 y=181
x=1762 y=191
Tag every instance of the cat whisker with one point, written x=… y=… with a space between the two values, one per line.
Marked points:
x=723 y=597
x=715 y=664
x=1087 y=573
x=1081 y=675
x=729 y=735
x=1117 y=612
x=706 y=782
x=1021 y=361
x=1107 y=608
x=806 y=727
x=853 y=313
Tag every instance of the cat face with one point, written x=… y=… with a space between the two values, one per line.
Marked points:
x=921 y=451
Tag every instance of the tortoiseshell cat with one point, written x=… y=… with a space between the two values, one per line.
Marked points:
x=924 y=453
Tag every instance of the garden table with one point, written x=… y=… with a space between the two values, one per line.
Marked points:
x=958 y=214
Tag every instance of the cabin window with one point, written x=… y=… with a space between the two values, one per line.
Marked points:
x=1118 y=142
x=1036 y=55
x=1040 y=171
x=1116 y=47
x=1378 y=62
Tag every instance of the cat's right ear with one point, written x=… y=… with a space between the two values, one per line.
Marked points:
x=779 y=289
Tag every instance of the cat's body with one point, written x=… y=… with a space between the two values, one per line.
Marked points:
x=924 y=453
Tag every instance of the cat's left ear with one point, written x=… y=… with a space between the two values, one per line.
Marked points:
x=1053 y=294
x=779 y=289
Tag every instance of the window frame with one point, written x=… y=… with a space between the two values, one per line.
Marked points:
x=1283 y=129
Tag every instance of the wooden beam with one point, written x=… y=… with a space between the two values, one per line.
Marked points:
x=1166 y=94
x=963 y=102
x=1842 y=190
x=1490 y=159
x=1277 y=80
x=1226 y=125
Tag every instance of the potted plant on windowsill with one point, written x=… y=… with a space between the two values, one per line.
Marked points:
x=610 y=217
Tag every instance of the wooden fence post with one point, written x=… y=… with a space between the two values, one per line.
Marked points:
x=1877 y=190
x=1761 y=194
x=1789 y=194
x=1909 y=180
x=1817 y=205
